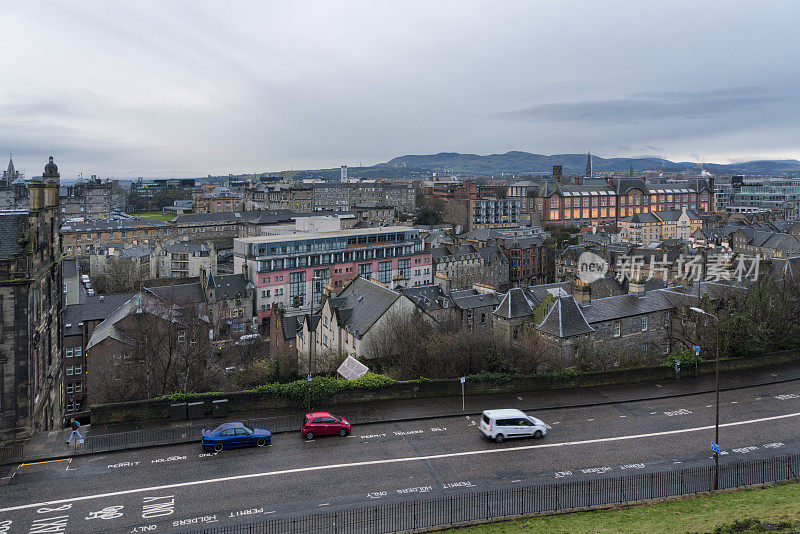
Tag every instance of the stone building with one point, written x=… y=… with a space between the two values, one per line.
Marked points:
x=219 y=199
x=88 y=200
x=350 y=323
x=82 y=239
x=30 y=313
x=293 y=197
x=80 y=321
x=185 y=259
x=13 y=191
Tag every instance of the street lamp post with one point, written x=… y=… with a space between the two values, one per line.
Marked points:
x=716 y=388
x=314 y=280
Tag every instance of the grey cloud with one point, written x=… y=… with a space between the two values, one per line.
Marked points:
x=667 y=106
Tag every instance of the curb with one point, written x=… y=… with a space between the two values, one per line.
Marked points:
x=62 y=456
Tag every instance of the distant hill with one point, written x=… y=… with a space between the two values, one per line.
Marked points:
x=526 y=163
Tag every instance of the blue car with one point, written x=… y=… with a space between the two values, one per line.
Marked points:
x=232 y=435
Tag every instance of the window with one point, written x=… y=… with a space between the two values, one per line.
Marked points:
x=617 y=328
x=70 y=387
x=404 y=269
x=68 y=352
x=365 y=271
x=181 y=337
x=78 y=387
x=70 y=370
x=297 y=288
x=78 y=351
x=385 y=272
x=78 y=369
x=644 y=324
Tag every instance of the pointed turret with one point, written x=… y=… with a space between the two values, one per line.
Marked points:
x=630 y=172
x=589 y=165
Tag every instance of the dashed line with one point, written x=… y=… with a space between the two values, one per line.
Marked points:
x=734 y=402
x=405 y=459
x=622 y=416
x=590 y=419
x=325 y=504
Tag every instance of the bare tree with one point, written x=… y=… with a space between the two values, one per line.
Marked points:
x=160 y=347
x=120 y=275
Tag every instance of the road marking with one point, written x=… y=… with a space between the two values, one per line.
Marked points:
x=734 y=402
x=517 y=480
x=325 y=504
x=47 y=462
x=623 y=416
x=590 y=419
x=406 y=459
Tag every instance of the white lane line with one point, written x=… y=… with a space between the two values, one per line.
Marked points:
x=392 y=461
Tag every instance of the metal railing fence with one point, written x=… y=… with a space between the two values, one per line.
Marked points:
x=465 y=508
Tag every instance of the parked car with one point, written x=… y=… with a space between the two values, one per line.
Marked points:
x=232 y=435
x=323 y=424
x=500 y=425
x=90 y=291
x=85 y=278
x=248 y=339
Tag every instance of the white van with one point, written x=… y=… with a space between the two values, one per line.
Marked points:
x=500 y=425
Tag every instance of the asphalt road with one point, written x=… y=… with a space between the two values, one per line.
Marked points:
x=176 y=488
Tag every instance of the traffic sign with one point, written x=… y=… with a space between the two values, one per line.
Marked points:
x=696 y=348
x=463 y=379
x=715 y=447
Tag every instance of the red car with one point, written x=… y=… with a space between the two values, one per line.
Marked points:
x=324 y=424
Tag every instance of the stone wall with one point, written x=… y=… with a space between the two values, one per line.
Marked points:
x=247 y=402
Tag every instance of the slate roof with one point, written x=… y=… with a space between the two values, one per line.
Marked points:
x=69 y=268
x=231 y=284
x=489 y=251
x=367 y=302
x=469 y=299
x=290 y=325
x=106 y=226
x=95 y=308
x=612 y=308
x=642 y=218
x=480 y=234
x=11 y=227
x=539 y=292
x=669 y=215
x=230 y=216
x=429 y=297
x=565 y=319
x=136 y=251
x=186 y=247
x=181 y=294
x=514 y=305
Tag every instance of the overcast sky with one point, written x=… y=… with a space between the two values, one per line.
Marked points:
x=192 y=88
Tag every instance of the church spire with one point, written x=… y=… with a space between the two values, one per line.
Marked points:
x=589 y=165
x=630 y=172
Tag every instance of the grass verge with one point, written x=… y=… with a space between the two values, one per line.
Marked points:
x=771 y=505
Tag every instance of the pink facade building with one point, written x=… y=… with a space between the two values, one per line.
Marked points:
x=292 y=269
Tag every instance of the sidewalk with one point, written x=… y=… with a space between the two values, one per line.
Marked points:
x=50 y=445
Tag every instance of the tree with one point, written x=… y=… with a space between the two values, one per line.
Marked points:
x=159 y=347
x=120 y=275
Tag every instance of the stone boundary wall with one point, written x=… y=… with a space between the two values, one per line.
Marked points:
x=243 y=401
